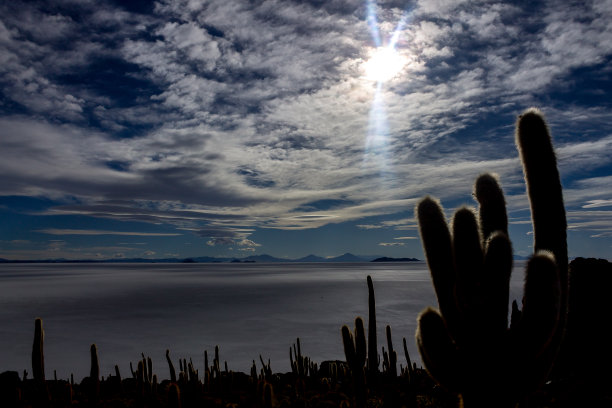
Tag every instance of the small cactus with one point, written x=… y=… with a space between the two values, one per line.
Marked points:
x=355 y=347
x=38 y=357
x=466 y=345
x=94 y=372
x=117 y=373
x=355 y=352
x=392 y=355
x=409 y=368
x=171 y=366
x=300 y=365
x=372 y=340
x=38 y=365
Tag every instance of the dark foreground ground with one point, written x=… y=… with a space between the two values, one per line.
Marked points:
x=331 y=385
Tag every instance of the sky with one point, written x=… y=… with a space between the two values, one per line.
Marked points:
x=183 y=128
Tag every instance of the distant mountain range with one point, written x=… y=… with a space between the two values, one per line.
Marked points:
x=348 y=257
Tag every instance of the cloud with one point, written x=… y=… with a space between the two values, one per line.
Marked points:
x=243 y=244
x=369 y=226
x=391 y=244
x=401 y=224
x=598 y=203
x=55 y=231
x=229 y=237
x=222 y=117
x=220 y=241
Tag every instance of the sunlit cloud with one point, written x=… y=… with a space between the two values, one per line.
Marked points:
x=206 y=119
x=598 y=203
x=56 y=231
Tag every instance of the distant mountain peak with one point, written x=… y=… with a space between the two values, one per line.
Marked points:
x=263 y=258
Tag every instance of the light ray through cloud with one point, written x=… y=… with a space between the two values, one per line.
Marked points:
x=384 y=64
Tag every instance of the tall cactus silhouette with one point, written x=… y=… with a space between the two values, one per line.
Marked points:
x=38 y=356
x=38 y=366
x=467 y=345
x=372 y=363
x=94 y=374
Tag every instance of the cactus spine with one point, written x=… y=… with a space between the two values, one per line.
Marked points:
x=466 y=345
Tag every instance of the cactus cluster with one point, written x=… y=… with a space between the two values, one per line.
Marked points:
x=362 y=358
x=301 y=365
x=466 y=344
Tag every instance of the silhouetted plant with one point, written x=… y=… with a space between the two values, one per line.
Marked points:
x=38 y=365
x=372 y=340
x=301 y=365
x=355 y=352
x=268 y=395
x=170 y=366
x=466 y=345
x=94 y=371
x=174 y=396
x=38 y=357
x=117 y=373
x=92 y=383
x=585 y=356
x=390 y=356
x=409 y=367
x=266 y=369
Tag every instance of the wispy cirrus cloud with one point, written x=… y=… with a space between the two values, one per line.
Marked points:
x=56 y=231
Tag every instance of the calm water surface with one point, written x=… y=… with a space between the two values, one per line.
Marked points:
x=246 y=309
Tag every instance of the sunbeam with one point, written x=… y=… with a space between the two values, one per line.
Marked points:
x=384 y=64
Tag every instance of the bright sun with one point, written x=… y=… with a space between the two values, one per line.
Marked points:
x=384 y=64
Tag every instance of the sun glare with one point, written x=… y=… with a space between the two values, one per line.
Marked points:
x=384 y=64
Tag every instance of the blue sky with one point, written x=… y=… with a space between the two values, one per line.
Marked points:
x=229 y=128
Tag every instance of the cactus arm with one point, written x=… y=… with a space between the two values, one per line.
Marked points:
x=492 y=210
x=437 y=350
x=436 y=240
x=360 y=342
x=498 y=261
x=543 y=187
x=349 y=347
x=541 y=304
x=498 y=251
x=408 y=361
x=468 y=267
x=547 y=213
x=392 y=353
x=171 y=366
